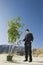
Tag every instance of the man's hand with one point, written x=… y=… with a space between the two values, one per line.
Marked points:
x=19 y=42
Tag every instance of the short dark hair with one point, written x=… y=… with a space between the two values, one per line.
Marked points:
x=27 y=30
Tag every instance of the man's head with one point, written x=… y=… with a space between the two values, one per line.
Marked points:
x=27 y=31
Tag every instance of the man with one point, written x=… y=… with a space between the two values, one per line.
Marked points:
x=28 y=41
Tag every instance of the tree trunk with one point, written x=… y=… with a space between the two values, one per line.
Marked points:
x=12 y=48
x=9 y=57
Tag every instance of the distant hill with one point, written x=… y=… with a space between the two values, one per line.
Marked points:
x=20 y=50
x=37 y=52
x=5 y=48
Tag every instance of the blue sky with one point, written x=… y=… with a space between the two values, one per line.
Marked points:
x=31 y=12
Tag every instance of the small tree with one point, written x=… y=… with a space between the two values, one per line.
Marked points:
x=14 y=32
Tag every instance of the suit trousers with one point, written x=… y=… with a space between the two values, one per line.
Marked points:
x=28 y=51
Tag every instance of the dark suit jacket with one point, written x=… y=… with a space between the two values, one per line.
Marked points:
x=28 y=38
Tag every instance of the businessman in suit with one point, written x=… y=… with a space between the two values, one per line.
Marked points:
x=28 y=44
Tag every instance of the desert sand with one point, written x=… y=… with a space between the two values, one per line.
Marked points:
x=18 y=60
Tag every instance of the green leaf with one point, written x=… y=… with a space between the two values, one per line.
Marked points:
x=14 y=32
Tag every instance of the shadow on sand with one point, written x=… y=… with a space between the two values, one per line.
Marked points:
x=19 y=62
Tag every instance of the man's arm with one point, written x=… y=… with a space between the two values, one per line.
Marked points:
x=24 y=39
x=32 y=37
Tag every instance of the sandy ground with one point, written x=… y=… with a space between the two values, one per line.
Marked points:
x=18 y=60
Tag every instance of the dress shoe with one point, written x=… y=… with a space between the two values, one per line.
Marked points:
x=30 y=60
